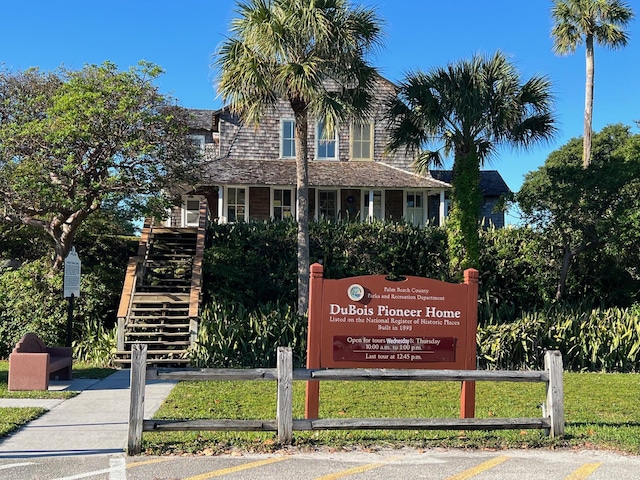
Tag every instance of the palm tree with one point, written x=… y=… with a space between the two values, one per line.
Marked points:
x=312 y=54
x=470 y=108
x=578 y=21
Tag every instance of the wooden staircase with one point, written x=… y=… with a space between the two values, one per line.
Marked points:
x=161 y=295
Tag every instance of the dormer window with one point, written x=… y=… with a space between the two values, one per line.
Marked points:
x=326 y=143
x=198 y=142
x=362 y=141
x=287 y=138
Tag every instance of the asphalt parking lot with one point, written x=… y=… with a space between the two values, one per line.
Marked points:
x=433 y=464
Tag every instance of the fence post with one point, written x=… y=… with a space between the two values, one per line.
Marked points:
x=136 y=404
x=285 y=395
x=555 y=392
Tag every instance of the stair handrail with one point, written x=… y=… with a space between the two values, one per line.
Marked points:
x=134 y=271
x=195 y=291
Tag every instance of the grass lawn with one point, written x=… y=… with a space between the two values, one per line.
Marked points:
x=601 y=411
x=12 y=418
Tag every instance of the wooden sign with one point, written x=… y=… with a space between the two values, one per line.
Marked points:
x=373 y=322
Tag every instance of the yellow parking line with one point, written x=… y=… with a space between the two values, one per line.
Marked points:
x=356 y=470
x=584 y=471
x=238 y=468
x=146 y=462
x=472 y=472
x=351 y=471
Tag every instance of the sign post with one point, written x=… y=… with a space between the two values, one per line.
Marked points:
x=71 y=287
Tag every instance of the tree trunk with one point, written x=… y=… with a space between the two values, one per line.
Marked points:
x=302 y=185
x=564 y=271
x=63 y=231
x=588 y=103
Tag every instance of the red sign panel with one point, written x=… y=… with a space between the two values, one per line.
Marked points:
x=394 y=317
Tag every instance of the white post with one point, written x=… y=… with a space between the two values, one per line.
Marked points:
x=442 y=206
x=136 y=404
x=370 y=212
x=285 y=395
x=555 y=392
x=221 y=216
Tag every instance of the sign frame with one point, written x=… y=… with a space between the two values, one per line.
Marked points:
x=374 y=322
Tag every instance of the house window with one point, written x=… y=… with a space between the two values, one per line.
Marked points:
x=198 y=141
x=191 y=209
x=287 y=139
x=327 y=204
x=361 y=141
x=377 y=205
x=236 y=204
x=282 y=203
x=326 y=143
x=415 y=208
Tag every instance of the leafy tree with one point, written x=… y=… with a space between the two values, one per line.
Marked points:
x=585 y=21
x=312 y=54
x=470 y=107
x=73 y=141
x=584 y=210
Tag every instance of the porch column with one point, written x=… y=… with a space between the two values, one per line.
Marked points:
x=221 y=217
x=370 y=212
x=442 y=205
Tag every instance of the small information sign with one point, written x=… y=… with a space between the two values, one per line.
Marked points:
x=72 y=274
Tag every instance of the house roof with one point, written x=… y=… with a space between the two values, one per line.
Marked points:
x=321 y=174
x=200 y=119
x=491 y=182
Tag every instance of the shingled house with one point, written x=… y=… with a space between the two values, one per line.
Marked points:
x=250 y=172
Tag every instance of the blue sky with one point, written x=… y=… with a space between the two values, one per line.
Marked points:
x=182 y=37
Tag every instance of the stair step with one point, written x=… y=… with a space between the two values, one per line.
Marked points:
x=159 y=313
x=158 y=325
x=153 y=361
x=156 y=334
x=160 y=298
x=177 y=343
x=163 y=289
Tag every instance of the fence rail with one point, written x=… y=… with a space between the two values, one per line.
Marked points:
x=285 y=374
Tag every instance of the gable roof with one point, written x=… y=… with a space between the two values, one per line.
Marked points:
x=200 y=119
x=322 y=173
x=491 y=182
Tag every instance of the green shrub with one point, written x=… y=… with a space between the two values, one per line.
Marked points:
x=31 y=301
x=95 y=344
x=589 y=339
x=229 y=335
x=255 y=263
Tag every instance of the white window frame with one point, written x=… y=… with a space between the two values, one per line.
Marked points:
x=274 y=206
x=358 y=126
x=423 y=195
x=283 y=121
x=336 y=212
x=198 y=140
x=319 y=127
x=186 y=211
x=245 y=216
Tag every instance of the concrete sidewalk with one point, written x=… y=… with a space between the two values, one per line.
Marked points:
x=93 y=422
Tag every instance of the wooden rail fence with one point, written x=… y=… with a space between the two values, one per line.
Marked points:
x=552 y=420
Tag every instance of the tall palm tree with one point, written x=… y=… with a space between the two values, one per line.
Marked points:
x=311 y=53
x=578 y=21
x=469 y=108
